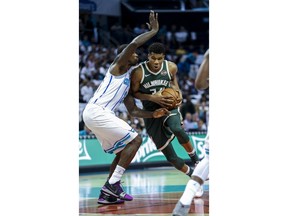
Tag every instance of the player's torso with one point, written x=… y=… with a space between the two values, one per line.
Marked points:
x=153 y=82
x=112 y=90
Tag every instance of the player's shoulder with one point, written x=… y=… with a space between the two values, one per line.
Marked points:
x=137 y=72
x=172 y=66
x=137 y=68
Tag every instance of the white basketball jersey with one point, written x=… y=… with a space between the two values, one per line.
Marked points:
x=112 y=90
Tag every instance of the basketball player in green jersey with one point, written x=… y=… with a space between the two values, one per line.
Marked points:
x=148 y=79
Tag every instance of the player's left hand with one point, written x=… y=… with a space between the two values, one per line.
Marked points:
x=161 y=112
x=180 y=98
x=153 y=24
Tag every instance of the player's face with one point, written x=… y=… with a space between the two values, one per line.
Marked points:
x=155 y=61
x=133 y=59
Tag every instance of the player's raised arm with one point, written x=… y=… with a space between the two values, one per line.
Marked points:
x=153 y=26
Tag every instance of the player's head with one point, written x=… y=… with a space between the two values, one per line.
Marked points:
x=133 y=60
x=156 y=55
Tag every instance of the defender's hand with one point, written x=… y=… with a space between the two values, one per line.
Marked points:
x=160 y=112
x=153 y=21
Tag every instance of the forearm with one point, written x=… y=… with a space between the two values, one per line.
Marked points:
x=142 y=96
x=141 y=39
x=136 y=112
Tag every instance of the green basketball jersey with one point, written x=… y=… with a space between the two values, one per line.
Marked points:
x=153 y=82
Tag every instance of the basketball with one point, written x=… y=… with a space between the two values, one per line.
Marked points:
x=174 y=94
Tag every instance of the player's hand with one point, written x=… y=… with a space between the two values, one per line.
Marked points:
x=164 y=101
x=153 y=21
x=180 y=98
x=160 y=112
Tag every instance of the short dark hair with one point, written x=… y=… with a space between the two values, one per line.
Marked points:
x=157 y=48
x=121 y=48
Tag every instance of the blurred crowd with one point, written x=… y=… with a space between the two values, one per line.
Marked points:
x=183 y=47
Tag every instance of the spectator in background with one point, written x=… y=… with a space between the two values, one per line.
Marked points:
x=87 y=91
x=189 y=124
x=170 y=36
x=202 y=110
x=162 y=34
x=201 y=125
x=117 y=32
x=181 y=36
x=86 y=41
x=198 y=57
x=187 y=106
x=86 y=72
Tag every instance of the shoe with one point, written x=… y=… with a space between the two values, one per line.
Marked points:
x=107 y=199
x=200 y=192
x=180 y=209
x=116 y=190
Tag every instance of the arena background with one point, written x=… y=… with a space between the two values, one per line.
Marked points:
x=103 y=26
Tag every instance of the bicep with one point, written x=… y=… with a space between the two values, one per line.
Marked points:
x=135 y=81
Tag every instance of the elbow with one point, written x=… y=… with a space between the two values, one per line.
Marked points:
x=201 y=85
x=132 y=112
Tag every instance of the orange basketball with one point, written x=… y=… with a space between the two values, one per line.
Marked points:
x=174 y=94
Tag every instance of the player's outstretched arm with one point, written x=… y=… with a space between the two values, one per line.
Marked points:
x=153 y=26
x=137 y=112
x=201 y=81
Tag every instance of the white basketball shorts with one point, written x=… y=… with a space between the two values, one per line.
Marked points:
x=112 y=132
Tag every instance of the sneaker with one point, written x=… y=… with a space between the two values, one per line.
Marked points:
x=116 y=190
x=107 y=199
x=180 y=209
x=200 y=192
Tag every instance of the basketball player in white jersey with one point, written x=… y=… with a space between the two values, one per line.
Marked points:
x=201 y=171
x=114 y=134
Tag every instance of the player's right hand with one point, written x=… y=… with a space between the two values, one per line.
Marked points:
x=153 y=21
x=163 y=101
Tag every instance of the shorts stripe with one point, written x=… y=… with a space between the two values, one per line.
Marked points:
x=118 y=144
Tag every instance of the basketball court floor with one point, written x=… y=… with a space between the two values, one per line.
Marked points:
x=155 y=191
